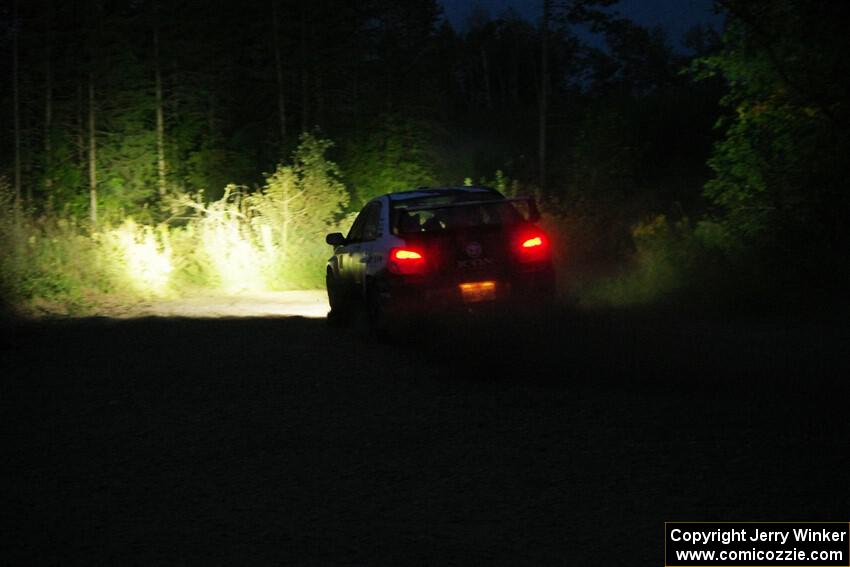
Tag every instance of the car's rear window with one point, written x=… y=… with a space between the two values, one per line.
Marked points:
x=443 y=212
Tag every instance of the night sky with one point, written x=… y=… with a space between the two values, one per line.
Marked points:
x=675 y=16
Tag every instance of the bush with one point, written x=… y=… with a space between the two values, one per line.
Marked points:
x=49 y=258
x=272 y=239
x=673 y=262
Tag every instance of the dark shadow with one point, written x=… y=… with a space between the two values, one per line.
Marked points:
x=285 y=440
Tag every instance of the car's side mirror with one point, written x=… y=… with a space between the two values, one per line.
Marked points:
x=335 y=239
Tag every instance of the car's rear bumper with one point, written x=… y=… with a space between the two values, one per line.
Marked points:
x=480 y=292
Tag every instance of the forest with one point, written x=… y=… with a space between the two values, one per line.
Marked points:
x=158 y=148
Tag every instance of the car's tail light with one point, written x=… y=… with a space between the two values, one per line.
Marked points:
x=532 y=245
x=407 y=261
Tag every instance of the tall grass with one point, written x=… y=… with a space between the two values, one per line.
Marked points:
x=48 y=259
x=654 y=261
x=269 y=239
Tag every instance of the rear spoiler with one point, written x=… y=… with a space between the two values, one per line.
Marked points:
x=533 y=212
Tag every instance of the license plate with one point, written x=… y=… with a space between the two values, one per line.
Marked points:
x=478 y=291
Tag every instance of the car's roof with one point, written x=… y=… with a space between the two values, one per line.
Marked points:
x=434 y=191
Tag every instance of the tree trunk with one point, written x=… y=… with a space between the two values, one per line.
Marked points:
x=16 y=107
x=93 y=39
x=544 y=89
x=79 y=125
x=80 y=129
x=48 y=97
x=212 y=127
x=355 y=97
x=92 y=155
x=160 y=115
x=485 y=68
x=281 y=101
x=305 y=82
x=174 y=112
x=28 y=152
x=284 y=240
x=514 y=77
x=319 y=96
x=502 y=80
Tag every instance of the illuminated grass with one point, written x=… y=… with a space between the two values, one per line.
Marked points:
x=147 y=256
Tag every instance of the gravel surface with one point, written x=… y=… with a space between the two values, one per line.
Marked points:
x=306 y=303
x=567 y=439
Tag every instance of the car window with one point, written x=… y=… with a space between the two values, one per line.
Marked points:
x=356 y=232
x=371 y=228
x=448 y=212
x=366 y=226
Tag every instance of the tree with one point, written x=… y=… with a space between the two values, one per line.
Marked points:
x=780 y=170
x=395 y=156
x=92 y=154
x=16 y=110
x=303 y=199
x=281 y=98
x=544 y=90
x=92 y=120
x=565 y=11
x=160 y=114
x=48 y=96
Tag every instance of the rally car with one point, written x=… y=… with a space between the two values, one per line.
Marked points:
x=430 y=251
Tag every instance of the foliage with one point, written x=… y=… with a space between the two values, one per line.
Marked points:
x=300 y=204
x=395 y=156
x=412 y=101
x=672 y=261
x=146 y=255
x=780 y=170
x=272 y=239
x=50 y=258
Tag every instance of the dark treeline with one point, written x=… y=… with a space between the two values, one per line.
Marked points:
x=197 y=94
x=113 y=106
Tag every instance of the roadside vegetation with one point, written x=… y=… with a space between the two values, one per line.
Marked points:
x=708 y=172
x=268 y=239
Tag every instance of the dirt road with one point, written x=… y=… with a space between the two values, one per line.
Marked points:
x=566 y=440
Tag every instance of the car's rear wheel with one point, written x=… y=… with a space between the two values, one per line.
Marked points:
x=377 y=317
x=381 y=316
x=339 y=301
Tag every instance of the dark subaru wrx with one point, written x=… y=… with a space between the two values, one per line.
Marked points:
x=439 y=250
